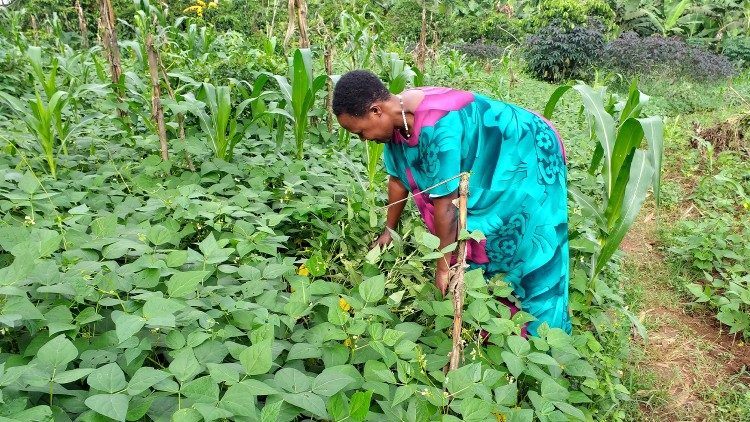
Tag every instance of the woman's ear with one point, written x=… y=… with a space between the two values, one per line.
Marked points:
x=376 y=109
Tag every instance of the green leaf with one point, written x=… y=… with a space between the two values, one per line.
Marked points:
x=337 y=407
x=292 y=380
x=553 y=99
x=224 y=372
x=653 y=131
x=360 y=405
x=373 y=288
x=202 y=390
x=57 y=353
x=113 y=406
x=183 y=284
x=126 y=325
x=404 y=392
x=316 y=264
x=604 y=126
x=28 y=183
x=542 y=359
x=144 y=378
x=159 y=235
x=304 y=351
x=553 y=391
x=474 y=409
x=635 y=193
x=270 y=412
x=507 y=395
x=256 y=359
x=479 y=311
x=518 y=345
x=571 y=410
x=309 y=402
x=72 y=375
x=330 y=382
x=108 y=378
x=175 y=259
x=513 y=362
x=379 y=371
x=187 y=415
x=185 y=365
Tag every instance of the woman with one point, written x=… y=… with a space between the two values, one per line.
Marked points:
x=517 y=188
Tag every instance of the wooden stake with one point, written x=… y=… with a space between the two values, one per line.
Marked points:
x=456 y=284
x=422 y=46
x=34 y=29
x=328 y=60
x=109 y=36
x=82 y=25
x=180 y=116
x=156 y=110
x=289 y=23
x=301 y=6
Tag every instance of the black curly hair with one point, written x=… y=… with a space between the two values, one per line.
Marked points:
x=356 y=91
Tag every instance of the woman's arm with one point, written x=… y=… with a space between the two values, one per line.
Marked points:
x=446 y=228
x=396 y=192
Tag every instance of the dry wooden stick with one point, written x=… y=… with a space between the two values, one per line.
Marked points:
x=82 y=25
x=457 y=279
x=156 y=110
x=180 y=116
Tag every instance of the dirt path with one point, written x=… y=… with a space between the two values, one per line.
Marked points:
x=686 y=353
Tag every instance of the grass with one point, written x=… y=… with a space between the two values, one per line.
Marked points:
x=681 y=373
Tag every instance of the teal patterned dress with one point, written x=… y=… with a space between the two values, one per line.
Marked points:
x=517 y=190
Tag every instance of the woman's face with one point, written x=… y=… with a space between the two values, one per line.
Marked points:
x=374 y=125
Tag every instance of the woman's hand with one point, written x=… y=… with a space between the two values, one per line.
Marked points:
x=442 y=277
x=383 y=240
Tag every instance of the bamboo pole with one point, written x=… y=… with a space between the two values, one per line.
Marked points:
x=109 y=36
x=157 y=112
x=289 y=23
x=82 y=25
x=457 y=279
x=328 y=60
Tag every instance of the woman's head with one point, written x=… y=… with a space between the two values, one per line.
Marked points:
x=361 y=105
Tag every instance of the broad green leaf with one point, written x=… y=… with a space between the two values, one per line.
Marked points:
x=292 y=380
x=379 y=371
x=360 y=405
x=571 y=410
x=404 y=392
x=507 y=395
x=185 y=365
x=307 y=401
x=187 y=415
x=183 y=284
x=518 y=345
x=635 y=193
x=256 y=359
x=316 y=264
x=113 y=406
x=108 y=378
x=337 y=407
x=224 y=372
x=71 y=375
x=474 y=409
x=653 y=131
x=542 y=359
x=270 y=412
x=604 y=126
x=330 y=382
x=144 y=378
x=57 y=353
x=202 y=390
x=159 y=235
x=126 y=325
x=553 y=391
x=553 y=99
x=304 y=351
x=513 y=362
x=373 y=288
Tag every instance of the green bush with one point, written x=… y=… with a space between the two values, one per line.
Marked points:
x=573 y=13
x=556 y=54
x=494 y=28
x=737 y=49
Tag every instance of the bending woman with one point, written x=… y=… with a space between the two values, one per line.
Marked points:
x=517 y=189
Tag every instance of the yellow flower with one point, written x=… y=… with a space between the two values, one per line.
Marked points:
x=344 y=305
x=500 y=417
x=303 y=271
x=349 y=342
x=196 y=9
x=212 y=5
x=200 y=3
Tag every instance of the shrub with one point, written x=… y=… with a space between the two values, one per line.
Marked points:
x=496 y=28
x=572 y=13
x=737 y=49
x=555 y=54
x=632 y=55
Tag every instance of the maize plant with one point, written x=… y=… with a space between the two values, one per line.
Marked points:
x=41 y=119
x=299 y=92
x=628 y=171
x=213 y=108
